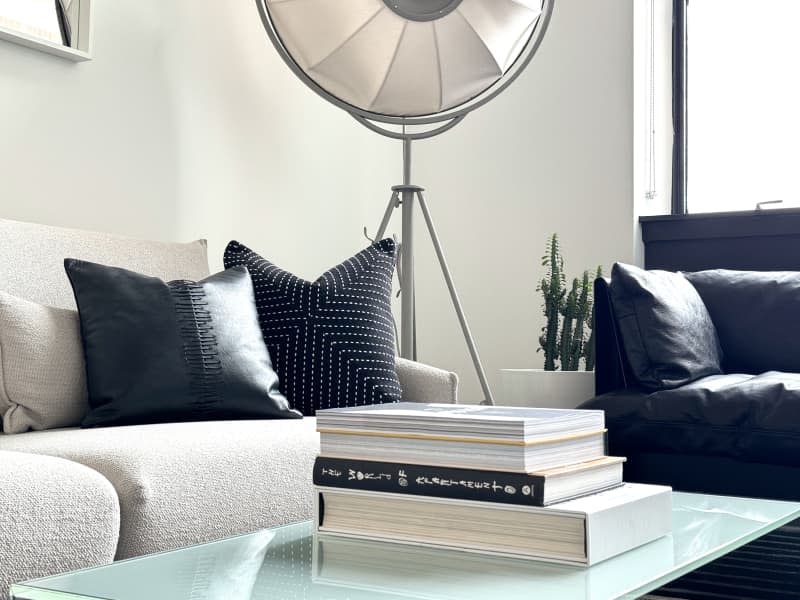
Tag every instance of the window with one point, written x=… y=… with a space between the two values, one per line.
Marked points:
x=741 y=104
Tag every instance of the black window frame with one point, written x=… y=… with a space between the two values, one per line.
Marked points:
x=761 y=240
x=680 y=45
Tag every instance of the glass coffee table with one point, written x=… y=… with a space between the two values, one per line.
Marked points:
x=291 y=563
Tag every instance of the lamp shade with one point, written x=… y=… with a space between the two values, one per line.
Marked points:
x=404 y=58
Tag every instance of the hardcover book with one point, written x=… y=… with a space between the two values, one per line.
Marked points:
x=583 y=532
x=460 y=421
x=471 y=437
x=533 y=489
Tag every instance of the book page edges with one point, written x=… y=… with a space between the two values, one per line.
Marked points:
x=469 y=440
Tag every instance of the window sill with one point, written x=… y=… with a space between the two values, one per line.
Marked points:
x=761 y=240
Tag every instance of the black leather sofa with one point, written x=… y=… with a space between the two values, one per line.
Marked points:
x=736 y=432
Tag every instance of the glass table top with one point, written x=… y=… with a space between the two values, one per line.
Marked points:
x=291 y=563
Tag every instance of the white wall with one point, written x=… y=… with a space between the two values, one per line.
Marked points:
x=91 y=145
x=186 y=124
x=262 y=159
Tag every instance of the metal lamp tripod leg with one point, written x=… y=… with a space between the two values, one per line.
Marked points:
x=405 y=270
x=462 y=319
x=404 y=196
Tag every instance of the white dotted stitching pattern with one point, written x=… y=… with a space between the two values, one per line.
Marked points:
x=331 y=340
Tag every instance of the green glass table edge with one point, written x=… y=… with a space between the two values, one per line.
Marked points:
x=41 y=593
x=710 y=556
x=29 y=590
x=37 y=593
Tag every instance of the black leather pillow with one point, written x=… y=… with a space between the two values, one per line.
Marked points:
x=667 y=333
x=756 y=315
x=178 y=351
x=331 y=340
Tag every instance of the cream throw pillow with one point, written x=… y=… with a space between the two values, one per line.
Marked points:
x=42 y=370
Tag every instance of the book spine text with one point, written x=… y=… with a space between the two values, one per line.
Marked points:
x=421 y=480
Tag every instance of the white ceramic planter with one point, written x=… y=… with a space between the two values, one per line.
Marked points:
x=545 y=389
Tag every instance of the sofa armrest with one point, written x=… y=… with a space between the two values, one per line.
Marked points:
x=422 y=383
x=55 y=516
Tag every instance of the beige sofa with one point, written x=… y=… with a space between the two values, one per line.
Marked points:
x=73 y=498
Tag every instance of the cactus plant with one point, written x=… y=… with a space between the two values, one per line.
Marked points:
x=568 y=313
x=569 y=317
x=552 y=289
x=589 y=354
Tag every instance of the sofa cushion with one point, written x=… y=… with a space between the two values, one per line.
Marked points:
x=752 y=418
x=55 y=516
x=754 y=314
x=184 y=483
x=42 y=372
x=331 y=340
x=667 y=333
x=31 y=259
x=178 y=351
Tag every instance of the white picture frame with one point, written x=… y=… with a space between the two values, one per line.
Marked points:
x=29 y=23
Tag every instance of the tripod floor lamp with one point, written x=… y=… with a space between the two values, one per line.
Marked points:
x=409 y=70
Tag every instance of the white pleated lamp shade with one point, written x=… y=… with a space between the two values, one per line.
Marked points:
x=367 y=54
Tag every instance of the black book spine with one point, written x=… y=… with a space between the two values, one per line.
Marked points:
x=422 y=480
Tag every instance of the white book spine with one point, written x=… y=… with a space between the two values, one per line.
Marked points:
x=622 y=527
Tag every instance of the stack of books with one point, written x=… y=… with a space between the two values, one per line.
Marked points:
x=524 y=482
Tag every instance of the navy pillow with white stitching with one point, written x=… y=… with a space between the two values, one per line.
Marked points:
x=331 y=340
